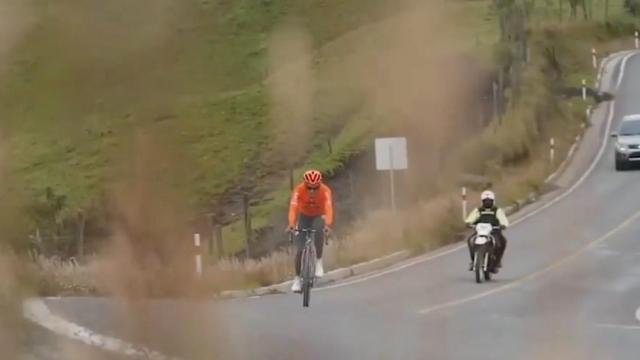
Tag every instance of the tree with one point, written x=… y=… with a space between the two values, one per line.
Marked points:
x=47 y=213
x=574 y=8
x=632 y=7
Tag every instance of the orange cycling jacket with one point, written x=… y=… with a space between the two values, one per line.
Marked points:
x=305 y=203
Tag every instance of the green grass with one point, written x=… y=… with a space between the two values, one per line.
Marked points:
x=340 y=108
x=87 y=76
x=351 y=140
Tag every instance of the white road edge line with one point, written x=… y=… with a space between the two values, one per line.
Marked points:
x=555 y=200
x=532 y=213
x=620 y=327
x=37 y=311
x=624 y=327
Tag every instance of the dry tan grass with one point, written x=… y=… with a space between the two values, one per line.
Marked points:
x=235 y=274
x=425 y=226
x=60 y=277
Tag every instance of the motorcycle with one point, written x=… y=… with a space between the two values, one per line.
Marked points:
x=483 y=244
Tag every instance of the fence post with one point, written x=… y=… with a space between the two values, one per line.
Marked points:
x=330 y=146
x=39 y=241
x=352 y=195
x=198 y=257
x=82 y=220
x=247 y=223
x=495 y=100
x=584 y=90
x=211 y=217
x=637 y=40
x=552 y=151
x=219 y=240
x=464 y=203
x=594 y=58
x=291 y=180
x=500 y=93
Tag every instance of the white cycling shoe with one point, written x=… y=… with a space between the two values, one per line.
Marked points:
x=319 y=268
x=297 y=285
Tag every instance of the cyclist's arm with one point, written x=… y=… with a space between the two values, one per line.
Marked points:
x=328 y=207
x=502 y=218
x=293 y=208
x=473 y=217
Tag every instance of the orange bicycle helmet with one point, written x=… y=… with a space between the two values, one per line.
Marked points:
x=312 y=178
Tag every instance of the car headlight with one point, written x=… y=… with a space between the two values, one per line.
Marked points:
x=622 y=147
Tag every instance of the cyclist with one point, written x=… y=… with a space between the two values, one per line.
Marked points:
x=311 y=206
x=491 y=214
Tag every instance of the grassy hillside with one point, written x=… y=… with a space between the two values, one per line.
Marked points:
x=87 y=76
x=75 y=91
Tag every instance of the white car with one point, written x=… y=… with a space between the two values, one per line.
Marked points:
x=627 y=146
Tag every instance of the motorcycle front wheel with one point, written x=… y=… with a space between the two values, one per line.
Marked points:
x=478 y=263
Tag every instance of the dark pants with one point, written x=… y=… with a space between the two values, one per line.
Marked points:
x=309 y=222
x=501 y=245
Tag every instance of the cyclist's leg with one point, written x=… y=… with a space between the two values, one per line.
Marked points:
x=318 y=226
x=298 y=261
x=304 y=222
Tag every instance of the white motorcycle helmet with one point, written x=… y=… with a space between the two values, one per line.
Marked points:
x=488 y=198
x=488 y=195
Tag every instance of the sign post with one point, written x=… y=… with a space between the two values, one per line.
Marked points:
x=391 y=155
x=392 y=181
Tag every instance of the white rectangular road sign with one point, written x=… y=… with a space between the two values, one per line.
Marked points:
x=391 y=153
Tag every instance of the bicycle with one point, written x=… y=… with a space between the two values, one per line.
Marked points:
x=308 y=261
x=307 y=264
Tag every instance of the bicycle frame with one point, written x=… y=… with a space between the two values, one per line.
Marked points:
x=308 y=256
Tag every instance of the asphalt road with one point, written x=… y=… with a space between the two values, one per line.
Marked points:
x=570 y=289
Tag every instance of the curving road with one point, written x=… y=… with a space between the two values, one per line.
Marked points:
x=570 y=288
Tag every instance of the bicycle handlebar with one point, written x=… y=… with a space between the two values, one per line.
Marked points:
x=294 y=232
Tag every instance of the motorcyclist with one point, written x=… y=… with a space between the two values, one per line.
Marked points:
x=491 y=214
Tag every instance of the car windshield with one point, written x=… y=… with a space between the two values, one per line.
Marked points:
x=630 y=127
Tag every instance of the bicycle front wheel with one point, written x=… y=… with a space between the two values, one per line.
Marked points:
x=306 y=294
x=308 y=273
